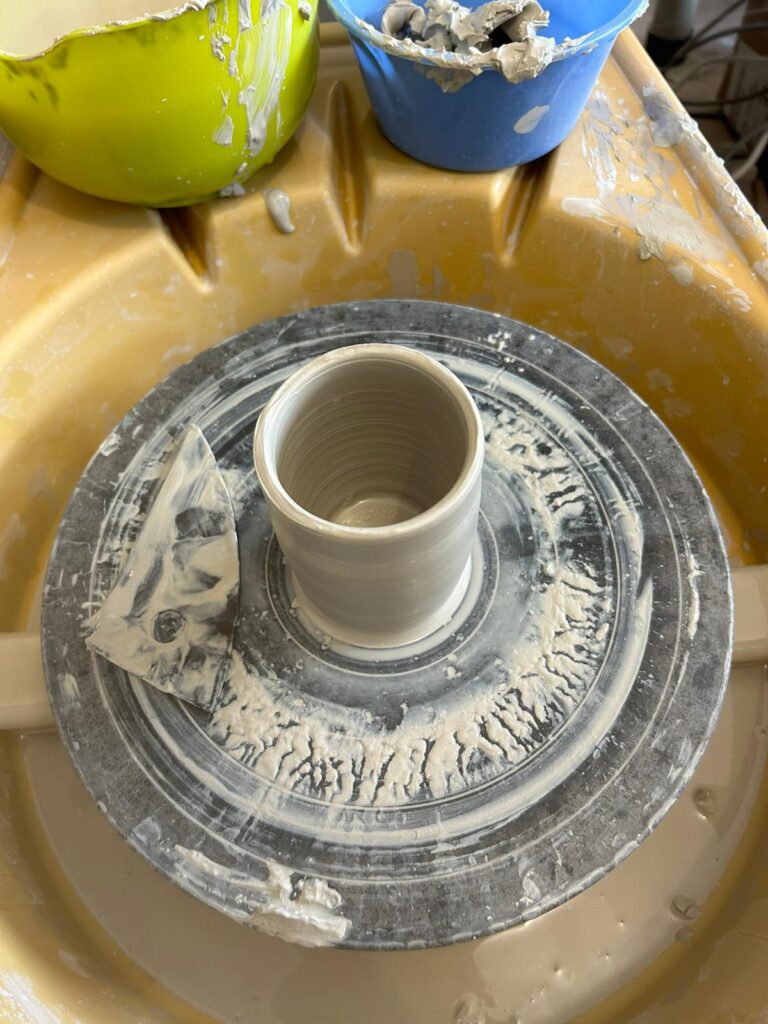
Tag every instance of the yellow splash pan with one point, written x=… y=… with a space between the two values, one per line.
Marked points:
x=631 y=243
x=160 y=110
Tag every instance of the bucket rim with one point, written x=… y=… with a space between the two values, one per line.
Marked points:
x=365 y=32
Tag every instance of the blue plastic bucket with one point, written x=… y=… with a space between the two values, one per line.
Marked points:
x=489 y=123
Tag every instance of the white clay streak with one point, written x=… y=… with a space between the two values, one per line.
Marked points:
x=225 y=132
x=303 y=910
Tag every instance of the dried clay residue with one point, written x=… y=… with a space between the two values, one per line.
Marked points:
x=612 y=140
x=694 y=608
x=634 y=168
x=22 y=1004
x=458 y=43
x=301 y=909
x=669 y=127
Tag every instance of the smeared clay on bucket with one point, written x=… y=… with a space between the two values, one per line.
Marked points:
x=225 y=132
x=236 y=188
x=278 y=204
x=297 y=909
x=169 y=619
x=261 y=96
x=457 y=43
x=234 y=191
x=530 y=121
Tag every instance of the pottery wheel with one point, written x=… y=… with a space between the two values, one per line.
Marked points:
x=462 y=784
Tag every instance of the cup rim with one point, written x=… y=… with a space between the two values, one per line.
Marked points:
x=264 y=460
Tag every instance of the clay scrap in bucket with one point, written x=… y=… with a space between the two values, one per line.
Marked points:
x=170 y=617
x=499 y=35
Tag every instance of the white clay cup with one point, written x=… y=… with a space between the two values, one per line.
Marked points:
x=370 y=460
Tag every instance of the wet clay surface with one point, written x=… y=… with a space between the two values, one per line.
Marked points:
x=171 y=617
x=382 y=438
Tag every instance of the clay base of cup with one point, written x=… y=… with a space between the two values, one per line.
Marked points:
x=321 y=626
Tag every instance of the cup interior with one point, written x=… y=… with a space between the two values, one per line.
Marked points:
x=373 y=441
